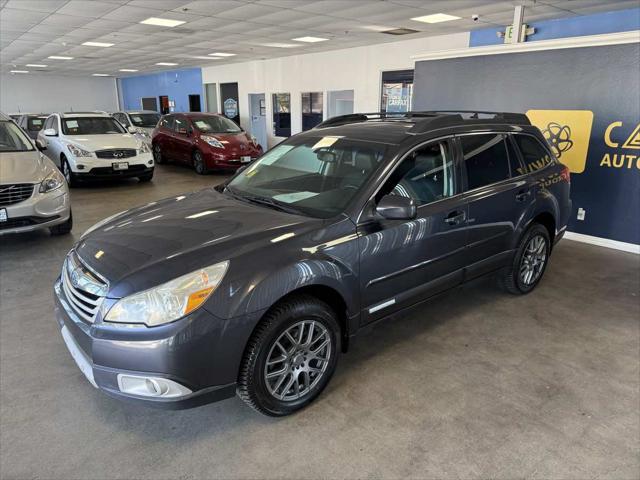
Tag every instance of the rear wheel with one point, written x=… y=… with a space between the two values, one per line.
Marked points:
x=529 y=262
x=198 y=163
x=290 y=357
x=70 y=177
x=62 y=228
x=157 y=154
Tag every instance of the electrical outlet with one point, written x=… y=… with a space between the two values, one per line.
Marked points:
x=581 y=213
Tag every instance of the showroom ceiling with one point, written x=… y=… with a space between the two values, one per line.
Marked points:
x=31 y=32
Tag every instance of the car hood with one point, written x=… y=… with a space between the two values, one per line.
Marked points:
x=233 y=140
x=104 y=142
x=162 y=240
x=23 y=167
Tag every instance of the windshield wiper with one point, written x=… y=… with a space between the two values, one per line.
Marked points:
x=266 y=201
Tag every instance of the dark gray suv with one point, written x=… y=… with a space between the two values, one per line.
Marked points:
x=255 y=286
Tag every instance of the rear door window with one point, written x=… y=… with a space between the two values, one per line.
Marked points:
x=485 y=159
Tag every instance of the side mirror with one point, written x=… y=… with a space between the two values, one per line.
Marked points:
x=241 y=169
x=395 y=207
x=40 y=145
x=50 y=132
x=132 y=129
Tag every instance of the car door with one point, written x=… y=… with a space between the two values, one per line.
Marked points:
x=405 y=261
x=164 y=136
x=497 y=198
x=182 y=140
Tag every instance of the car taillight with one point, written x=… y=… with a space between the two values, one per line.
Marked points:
x=565 y=174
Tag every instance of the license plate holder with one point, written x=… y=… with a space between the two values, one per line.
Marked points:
x=245 y=159
x=3 y=215
x=120 y=165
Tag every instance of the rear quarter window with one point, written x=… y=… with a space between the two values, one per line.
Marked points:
x=534 y=155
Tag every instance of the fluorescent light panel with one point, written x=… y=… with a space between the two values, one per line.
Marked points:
x=19 y=71
x=310 y=39
x=100 y=74
x=222 y=54
x=128 y=70
x=436 y=18
x=280 y=45
x=98 y=44
x=59 y=57
x=167 y=64
x=162 y=22
x=35 y=65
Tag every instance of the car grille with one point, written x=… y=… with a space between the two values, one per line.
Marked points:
x=83 y=289
x=19 y=192
x=116 y=154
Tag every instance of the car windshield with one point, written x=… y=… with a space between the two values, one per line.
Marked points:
x=13 y=139
x=34 y=124
x=215 y=124
x=91 y=126
x=317 y=176
x=145 y=120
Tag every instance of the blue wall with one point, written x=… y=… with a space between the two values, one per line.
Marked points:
x=597 y=23
x=176 y=84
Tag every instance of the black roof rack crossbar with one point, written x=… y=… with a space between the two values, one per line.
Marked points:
x=431 y=118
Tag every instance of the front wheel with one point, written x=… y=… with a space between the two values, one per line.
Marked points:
x=62 y=228
x=157 y=154
x=290 y=357
x=529 y=262
x=198 y=163
x=145 y=178
x=69 y=176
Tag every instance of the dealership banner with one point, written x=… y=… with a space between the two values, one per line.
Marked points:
x=586 y=101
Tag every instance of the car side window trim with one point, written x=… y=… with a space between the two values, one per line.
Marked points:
x=544 y=146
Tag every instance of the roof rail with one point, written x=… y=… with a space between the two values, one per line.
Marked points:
x=432 y=118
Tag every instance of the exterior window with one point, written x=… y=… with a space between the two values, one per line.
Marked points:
x=311 y=110
x=397 y=91
x=180 y=124
x=281 y=114
x=427 y=175
x=485 y=159
x=339 y=102
x=535 y=156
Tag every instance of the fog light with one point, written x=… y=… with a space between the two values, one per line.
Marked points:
x=151 y=386
x=80 y=166
x=150 y=162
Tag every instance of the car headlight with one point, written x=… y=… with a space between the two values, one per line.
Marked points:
x=213 y=141
x=52 y=182
x=101 y=223
x=76 y=151
x=145 y=148
x=169 y=301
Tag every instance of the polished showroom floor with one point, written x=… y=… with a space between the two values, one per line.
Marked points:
x=476 y=384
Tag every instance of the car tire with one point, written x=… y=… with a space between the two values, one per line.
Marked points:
x=62 y=228
x=145 y=178
x=70 y=177
x=158 y=156
x=274 y=369
x=529 y=262
x=198 y=163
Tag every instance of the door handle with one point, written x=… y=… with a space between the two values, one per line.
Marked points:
x=454 y=218
x=522 y=195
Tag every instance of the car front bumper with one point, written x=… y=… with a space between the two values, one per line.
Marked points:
x=230 y=160
x=41 y=210
x=190 y=354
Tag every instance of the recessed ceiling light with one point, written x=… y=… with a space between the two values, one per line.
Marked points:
x=167 y=64
x=58 y=57
x=128 y=70
x=98 y=44
x=19 y=71
x=436 y=18
x=222 y=54
x=280 y=45
x=35 y=65
x=200 y=57
x=100 y=74
x=310 y=39
x=162 y=22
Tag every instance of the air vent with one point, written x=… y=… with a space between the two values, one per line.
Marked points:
x=400 y=31
x=185 y=31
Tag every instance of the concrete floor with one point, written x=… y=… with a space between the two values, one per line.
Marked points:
x=477 y=384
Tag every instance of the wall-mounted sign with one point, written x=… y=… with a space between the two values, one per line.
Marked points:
x=230 y=108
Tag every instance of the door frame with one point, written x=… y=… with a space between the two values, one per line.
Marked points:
x=265 y=147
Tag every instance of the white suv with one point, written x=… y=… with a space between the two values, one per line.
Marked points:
x=94 y=145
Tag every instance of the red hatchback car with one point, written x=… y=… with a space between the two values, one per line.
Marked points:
x=204 y=140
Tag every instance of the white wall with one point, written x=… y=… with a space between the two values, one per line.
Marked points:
x=359 y=69
x=50 y=93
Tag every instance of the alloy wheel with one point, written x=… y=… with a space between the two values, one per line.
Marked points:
x=533 y=261
x=157 y=153
x=198 y=163
x=298 y=359
x=66 y=171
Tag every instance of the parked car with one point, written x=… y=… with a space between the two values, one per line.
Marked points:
x=255 y=286
x=90 y=145
x=204 y=140
x=33 y=192
x=32 y=123
x=15 y=116
x=138 y=122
